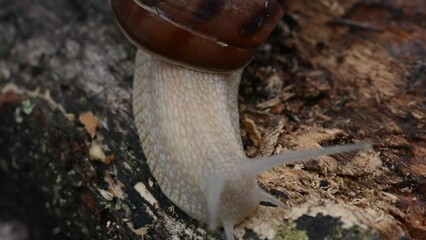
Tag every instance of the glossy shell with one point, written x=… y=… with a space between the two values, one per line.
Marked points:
x=214 y=35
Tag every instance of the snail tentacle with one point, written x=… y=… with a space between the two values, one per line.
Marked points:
x=228 y=227
x=256 y=166
x=267 y=197
x=215 y=188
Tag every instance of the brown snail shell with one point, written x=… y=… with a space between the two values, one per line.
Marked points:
x=213 y=35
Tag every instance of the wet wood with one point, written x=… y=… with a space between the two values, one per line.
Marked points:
x=332 y=72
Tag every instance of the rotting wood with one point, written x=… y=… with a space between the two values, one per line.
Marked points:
x=327 y=82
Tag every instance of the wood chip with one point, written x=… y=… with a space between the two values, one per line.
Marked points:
x=106 y=195
x=252 y=131
x=70 y=117
x=141 y=232
x=115 y=186
x=109 y=159
x=270 y=138
x=270 y=103
x=97 y=153
x=90 y=123
x=419 y=115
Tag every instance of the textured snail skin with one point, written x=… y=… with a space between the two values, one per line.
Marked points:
x=188 y=124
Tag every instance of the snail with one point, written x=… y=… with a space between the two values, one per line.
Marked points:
x=188 y=68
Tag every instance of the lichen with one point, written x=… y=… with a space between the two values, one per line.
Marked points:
x=27 y=106
x=289 y=231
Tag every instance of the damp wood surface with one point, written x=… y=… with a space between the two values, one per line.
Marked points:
x=333 y=72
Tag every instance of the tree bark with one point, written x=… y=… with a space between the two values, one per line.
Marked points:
x=333 y=72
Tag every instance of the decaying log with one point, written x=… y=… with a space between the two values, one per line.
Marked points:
x=333 y=72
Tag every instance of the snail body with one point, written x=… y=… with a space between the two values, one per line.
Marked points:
x=185 y=103
x=181 y=147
